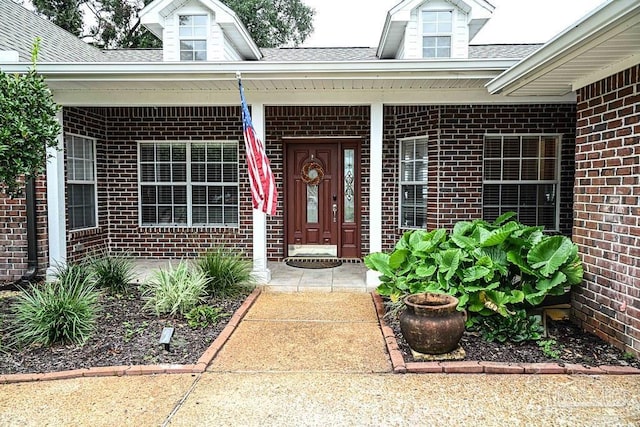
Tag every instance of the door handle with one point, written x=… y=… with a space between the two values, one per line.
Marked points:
x=335 y=212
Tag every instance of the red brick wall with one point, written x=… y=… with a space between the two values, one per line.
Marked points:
x=326 y=121
x=90 y=123
x=13 y=234
x=118 y=131
x=455 y=156
x=607 y=208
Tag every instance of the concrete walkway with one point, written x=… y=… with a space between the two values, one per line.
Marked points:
x=313 y=359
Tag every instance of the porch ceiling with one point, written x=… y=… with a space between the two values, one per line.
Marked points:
x=603 y=43
x=269 y=82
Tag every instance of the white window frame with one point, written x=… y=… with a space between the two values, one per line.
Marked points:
x=556 y=183
x=194 y=38
x=402 y=182
x=189 y=184
x=436 y=34
x=93 y=182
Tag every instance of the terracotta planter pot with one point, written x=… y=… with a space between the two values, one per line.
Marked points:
x=431 y=324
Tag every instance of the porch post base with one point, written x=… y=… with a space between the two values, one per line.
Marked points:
x=262 y=276
x=372 y=280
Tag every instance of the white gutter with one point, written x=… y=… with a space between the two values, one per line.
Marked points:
x=558 y=50
x=450 y=69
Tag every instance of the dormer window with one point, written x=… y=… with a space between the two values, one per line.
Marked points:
x=437 y=29
x=193 y=37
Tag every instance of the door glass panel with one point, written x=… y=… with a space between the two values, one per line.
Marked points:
x=349 y=192
x=312 y=203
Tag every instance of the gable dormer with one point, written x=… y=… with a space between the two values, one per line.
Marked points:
x=199 y=30
x=432 y=29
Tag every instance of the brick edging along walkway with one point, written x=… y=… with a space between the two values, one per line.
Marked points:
x=197 y=368
x=475 y=367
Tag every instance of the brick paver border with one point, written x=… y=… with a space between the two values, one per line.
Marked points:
x=475 y=367
x=117 y=371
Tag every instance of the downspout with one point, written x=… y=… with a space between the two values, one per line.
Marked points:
x=32 y=233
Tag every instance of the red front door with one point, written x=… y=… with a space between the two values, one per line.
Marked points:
x=321 y=198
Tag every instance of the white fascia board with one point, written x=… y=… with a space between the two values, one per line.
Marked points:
x=558 y=50
x=167 y=71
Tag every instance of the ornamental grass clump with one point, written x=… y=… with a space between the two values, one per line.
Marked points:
x=112 y=272
x=175 y=290
x=62 y=311
x=227 y=273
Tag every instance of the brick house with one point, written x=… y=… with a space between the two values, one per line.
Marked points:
x=418 y=132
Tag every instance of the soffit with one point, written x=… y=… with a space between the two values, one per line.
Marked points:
x=581 y=55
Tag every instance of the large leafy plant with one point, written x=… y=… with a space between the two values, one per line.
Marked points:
x=496 y=267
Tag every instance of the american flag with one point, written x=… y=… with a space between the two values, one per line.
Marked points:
x=263 y=184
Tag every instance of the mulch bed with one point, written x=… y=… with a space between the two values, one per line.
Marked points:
x=125 y=335
x=576 y=347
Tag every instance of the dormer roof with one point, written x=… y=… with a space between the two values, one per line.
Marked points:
x=154 y=14
x=398 y=17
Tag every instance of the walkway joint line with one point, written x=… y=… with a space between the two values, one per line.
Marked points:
x=181 y=402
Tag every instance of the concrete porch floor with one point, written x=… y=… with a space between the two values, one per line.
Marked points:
x=348 y=277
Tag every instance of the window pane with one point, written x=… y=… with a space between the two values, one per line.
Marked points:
x=170 y=204
x=530 y=169
x=491 y=195
x=81 y=207
x=492 y=170
x=493 y=148
x=511 y=169
x=511 y=147
x=312 y=203
x=349 y=181
x=548 y=169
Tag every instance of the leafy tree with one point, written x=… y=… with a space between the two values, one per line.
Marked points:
x=115 y=23
x=271 y=23
x=28 y=126
x=64 y=13
x=274 y=23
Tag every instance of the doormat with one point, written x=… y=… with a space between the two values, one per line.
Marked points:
x=313 y=263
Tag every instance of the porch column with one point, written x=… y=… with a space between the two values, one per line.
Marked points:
x=56 y=210
x=260 y=271
x=375 y=192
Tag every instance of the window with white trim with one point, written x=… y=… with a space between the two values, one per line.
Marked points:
x=81 y=182
x=189 y=183
x=521 y=174
x=193 y=37
x=413 y=183
x=437 y=32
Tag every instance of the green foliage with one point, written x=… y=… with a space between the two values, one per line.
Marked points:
x=115 y=23
x=551 y=348
x=113 y=273
x=203 y=316
x=61 y=311
x=226 y=272
x=489 y=267
x=515 y=328
x=28 y=126
x=274 y=23
x=175 y=290
x=130 y=331
x=500 y=267
x=110 y=23
x=64 y=13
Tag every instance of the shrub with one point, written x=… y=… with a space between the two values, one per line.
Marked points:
x=61 y=311
x=518 y=327
x=175 y=290
x=226 y=272
x=203 y=316
x=498 y=267
x=113 y=273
